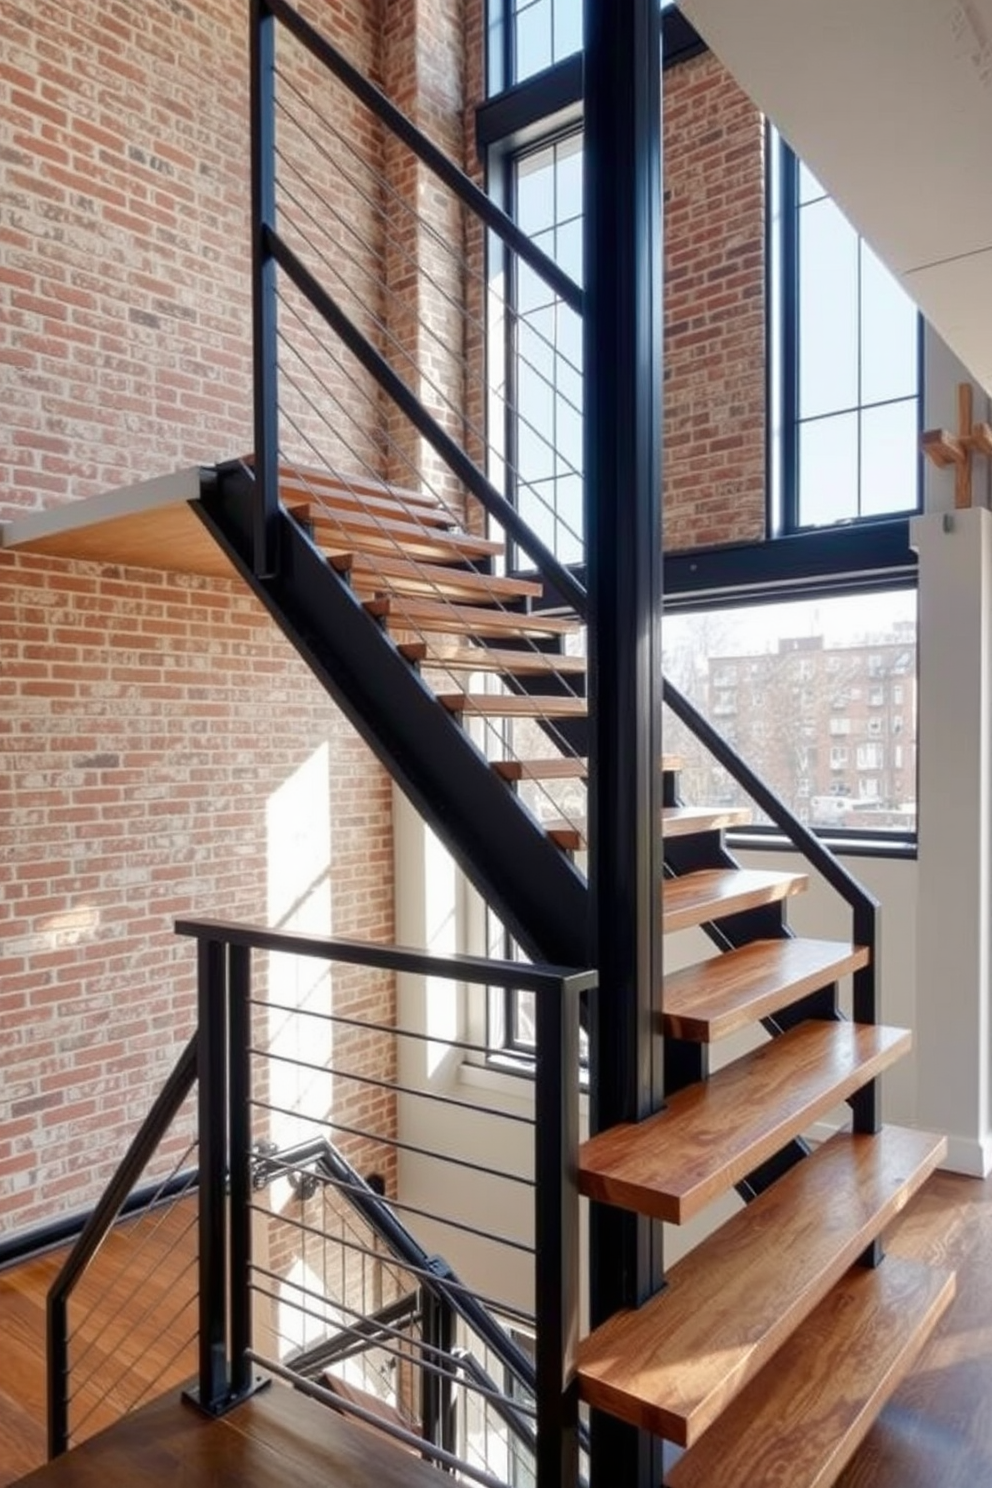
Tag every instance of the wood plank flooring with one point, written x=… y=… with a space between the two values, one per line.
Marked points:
x=936 y=1430
x=138 y=1342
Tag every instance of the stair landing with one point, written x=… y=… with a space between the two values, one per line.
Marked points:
x=277 y=1439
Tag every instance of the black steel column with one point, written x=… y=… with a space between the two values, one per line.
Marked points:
x=623 y=381
x=240 y=1189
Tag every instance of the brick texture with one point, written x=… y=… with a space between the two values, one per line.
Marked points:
x=714 y=387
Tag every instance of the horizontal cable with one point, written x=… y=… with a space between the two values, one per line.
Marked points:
x=442 y=1100
x=407 y=1033
x=395 y=1143
x=436 y=1284
x=414 y=1345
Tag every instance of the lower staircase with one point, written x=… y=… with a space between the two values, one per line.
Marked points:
x=776 y=1340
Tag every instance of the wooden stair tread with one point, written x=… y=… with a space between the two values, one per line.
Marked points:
x=490 y=659
x=676 y=821
x=711 y=893
x=408 y=613
x=295 y=477
x=673 y=1365
x=718 y=997
x=808 y=1410
x=713 y=1133
x=408 y=576
x=512 y=705
x=566 y=768
x=345 y=530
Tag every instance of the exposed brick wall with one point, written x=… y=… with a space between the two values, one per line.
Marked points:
x=148 y=721
x=714 y=388
x=165 y=754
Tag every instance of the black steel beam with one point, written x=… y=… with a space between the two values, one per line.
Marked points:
x=623 y=385
x=534 y=889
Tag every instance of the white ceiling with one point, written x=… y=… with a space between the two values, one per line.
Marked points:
x=889 y=102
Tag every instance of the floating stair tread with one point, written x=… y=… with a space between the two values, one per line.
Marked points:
x=512 y=705
x=685 y=821
x=353 y=486
x=565 y=768
x=346 y=531
x=407 y=613
x=711 y=893
x=673 y=1365
x=560 y=769
x=808 y=1410
x=408 y=576
x=715 y=1132
x=676 y=821
x=718 y=997
x=489 y=659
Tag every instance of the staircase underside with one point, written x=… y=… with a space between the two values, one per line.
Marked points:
x=148 y=525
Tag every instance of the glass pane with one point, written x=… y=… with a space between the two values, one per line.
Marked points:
x=888 y=334
x=532 y=39
x=535 y=426
x=568 y=28
x=536 y=504
x=828 y=470
x=828 y=311
x=535 y=211
x=889 y=461
x=568 y=248
x=569 y=182
x=568 y=532
x=792 y=682
x=809 y=188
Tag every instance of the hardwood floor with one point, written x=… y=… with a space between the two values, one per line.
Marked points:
x=138 y=1340
x=937 y=1429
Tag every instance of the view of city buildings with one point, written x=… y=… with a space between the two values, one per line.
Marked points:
x=829 y=722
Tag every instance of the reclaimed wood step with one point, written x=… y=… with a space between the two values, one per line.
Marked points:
x=673 y=1365
x=800 y=1420
x=344 y=531
x=377 y=575
x=512 y=705
x=530 y=663
x=567 y=767
x=712 y=1134
x=711 y=893
x=406 y=613
x=354 y=487
x=676 y=821
x=716 y=998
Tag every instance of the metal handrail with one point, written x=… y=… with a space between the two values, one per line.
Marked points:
x=163 y=1112
x=865 y=907
x=227 y=1356
x=424 y=148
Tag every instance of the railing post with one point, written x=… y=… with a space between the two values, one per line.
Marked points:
x=623 y=355
x=265 y=357
x=866 y=1105
x=437 y=1394
x=214 y=1386
x=239 y=970
x=556 y=1228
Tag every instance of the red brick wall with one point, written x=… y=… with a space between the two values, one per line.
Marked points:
x=714 y=309
x=147 y=719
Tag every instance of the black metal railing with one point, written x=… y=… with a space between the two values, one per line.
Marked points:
x=237 y=1088
x=865 y=908
x=272 y=251
x=64 y=1384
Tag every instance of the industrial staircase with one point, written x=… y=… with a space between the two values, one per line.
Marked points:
x=776 y=1340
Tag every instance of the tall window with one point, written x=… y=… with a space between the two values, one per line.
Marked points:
x=543 y=32
x=546 y=405
x=850 y=366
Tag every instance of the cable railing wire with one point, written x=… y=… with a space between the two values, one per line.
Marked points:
x=398 y=600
